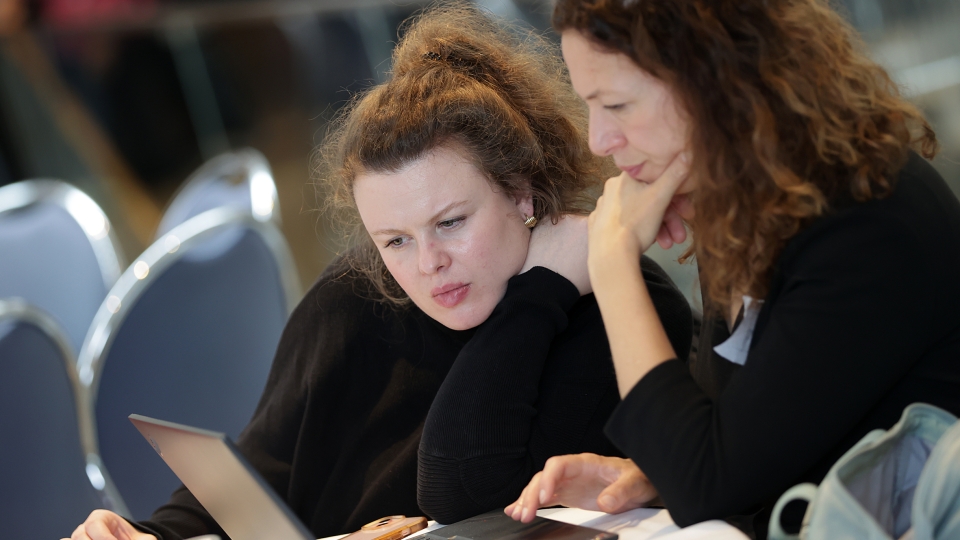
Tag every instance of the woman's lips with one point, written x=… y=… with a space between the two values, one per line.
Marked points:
x=633 y=172
x=450 y=295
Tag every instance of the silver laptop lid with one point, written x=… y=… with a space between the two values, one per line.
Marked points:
x=221 y=479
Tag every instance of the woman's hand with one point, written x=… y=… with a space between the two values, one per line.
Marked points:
x=588 y=481
x=561 y=247
x=672 y=230
x=631 y=215
x=105 y=525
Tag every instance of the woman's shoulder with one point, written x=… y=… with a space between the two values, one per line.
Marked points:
x=340 y=325
x=920 y=217
x=344 y=301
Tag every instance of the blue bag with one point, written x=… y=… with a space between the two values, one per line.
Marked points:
x=901 y=484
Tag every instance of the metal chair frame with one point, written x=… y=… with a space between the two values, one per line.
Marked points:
x=84 y=210
x=253 y=169
x=139 y=276
x=15 y=309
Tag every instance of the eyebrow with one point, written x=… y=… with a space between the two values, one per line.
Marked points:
x=433 y=218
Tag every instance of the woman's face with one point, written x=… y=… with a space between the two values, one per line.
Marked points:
x=634 y=116
x=445 y=235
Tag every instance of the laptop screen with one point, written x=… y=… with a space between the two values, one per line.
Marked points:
x=221 y=479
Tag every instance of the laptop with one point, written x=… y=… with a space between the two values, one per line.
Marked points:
x=223 y=481
x=247 y=508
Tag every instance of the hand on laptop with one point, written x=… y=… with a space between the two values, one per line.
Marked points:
x=105 y=525
x=588 y=481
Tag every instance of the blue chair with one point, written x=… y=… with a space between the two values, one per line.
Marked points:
x=50 y=485
x=239 y=179
x=187 y=335
x=57 y=252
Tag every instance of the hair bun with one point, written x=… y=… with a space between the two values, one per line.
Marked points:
x=472 y=66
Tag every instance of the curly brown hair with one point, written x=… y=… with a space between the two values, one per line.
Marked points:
x=789 y=115
x=497 y=92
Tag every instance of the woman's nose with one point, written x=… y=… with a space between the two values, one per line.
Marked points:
x=432 y=258
x=605 y=135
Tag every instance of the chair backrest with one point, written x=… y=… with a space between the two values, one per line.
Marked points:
x=50 y=484
x=57 y=252
x=186 y=335
x=240 y=179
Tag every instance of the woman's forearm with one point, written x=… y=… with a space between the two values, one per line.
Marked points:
x=480 y=442
x=638 y=341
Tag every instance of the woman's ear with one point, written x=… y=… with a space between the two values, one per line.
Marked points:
x=524 y=202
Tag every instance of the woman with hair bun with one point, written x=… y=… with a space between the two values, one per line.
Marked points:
x=828 y=251
x=459 y=332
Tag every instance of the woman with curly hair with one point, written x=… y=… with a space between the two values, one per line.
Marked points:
x=828 y=249
x=430 y=369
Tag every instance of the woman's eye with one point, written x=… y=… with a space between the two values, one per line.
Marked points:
x=395 y=242
x=615 y=107
x=450 y=223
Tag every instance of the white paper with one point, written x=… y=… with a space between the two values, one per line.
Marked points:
x=645 y=524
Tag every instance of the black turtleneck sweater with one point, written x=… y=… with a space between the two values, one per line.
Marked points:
x=348 y=400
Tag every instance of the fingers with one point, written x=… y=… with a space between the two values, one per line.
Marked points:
x=530 y=500
x=615 y=497
x=672 y=230
x=631 y=489
x=526 y=506
x=608 y=501
x=618 y=496
x=553 y=471
x=541 y=491
x=106 y=525
x=666 y=186
x=584 y=481
x=79 y=533
x=674 y=225
x=663 y=237
x=97 y=529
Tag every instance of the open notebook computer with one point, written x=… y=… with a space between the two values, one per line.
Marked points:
x=247 y=508
x=220 y=478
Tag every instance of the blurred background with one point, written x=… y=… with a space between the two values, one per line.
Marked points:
x=125 y=98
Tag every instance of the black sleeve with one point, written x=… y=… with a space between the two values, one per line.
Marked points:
x=481 y=420
x=313 y=340
x=847 y=324
x=524 y=388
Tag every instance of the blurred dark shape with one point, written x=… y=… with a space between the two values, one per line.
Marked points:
x=9 y=165
x=81 y=13
x=148 y=118
x=331 y=62
x=13 y=15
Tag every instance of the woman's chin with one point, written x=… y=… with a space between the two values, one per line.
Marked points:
x=460 y=317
